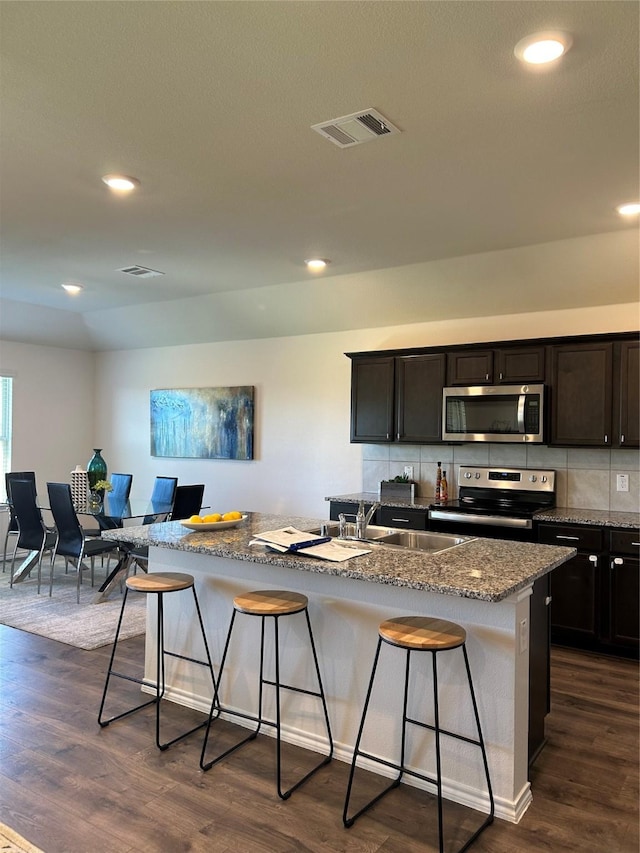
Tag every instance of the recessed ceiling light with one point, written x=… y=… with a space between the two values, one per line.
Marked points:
x=541 y=48
x=122 y=183
x=632 y=208
x=316 y=264
x=71 y=287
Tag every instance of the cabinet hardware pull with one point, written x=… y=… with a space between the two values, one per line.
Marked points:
x=636 y=543
x=548 y=600
x=501 y=376
x=486 y=376
x=622 y=439
x=606 y=439
x=593 y=558
x=403 y=520
x=573 y=538
x=617 y=561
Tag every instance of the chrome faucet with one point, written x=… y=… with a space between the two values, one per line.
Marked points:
x=362 y=520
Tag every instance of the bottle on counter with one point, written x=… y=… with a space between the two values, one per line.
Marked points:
x=438 y=482
x=444 y=488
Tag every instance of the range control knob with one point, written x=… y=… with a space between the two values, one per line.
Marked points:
x=477 y=475
x=467 y=475
x=543 y=479
x=533 y=478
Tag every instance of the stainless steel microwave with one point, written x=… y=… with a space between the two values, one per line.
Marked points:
x=508 y=413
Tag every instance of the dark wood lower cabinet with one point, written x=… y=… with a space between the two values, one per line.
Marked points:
x=595 y=596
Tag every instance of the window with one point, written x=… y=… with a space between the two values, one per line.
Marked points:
x=6 y=390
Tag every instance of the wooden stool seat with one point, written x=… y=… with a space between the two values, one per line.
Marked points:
x=270 y=602
x=422 y=632
x=160 y=582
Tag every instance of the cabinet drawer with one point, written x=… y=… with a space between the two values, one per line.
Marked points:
x=574 y=535
x=412 y=519
x=625 y=542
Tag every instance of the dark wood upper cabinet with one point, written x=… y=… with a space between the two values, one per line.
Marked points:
x=519 y=365
x=419 y=384
x=593 y=387
x=513 y=365
x=372 y=397
x=627 y=406
x=470 y=367
x=581 y=383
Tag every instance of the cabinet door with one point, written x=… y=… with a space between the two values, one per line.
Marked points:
x=419 y=384
x=470 y=367
x=372 y=399
x=574 y=602
x=624 y=593
x=519 y=365
x=581 y=378
x=629 y=394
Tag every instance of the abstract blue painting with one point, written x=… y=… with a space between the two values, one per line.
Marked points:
x=203 y=423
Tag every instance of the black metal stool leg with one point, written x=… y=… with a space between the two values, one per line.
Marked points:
x=111 y=672
x=436 y=717
x=349 y=821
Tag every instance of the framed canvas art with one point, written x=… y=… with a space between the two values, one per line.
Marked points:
x=203 y=423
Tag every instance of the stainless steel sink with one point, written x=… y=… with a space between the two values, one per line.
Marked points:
x=412 y=540
x=417 y=540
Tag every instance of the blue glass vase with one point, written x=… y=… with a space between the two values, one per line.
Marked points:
x=96 y=469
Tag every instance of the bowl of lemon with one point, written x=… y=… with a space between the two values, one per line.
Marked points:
x=213 y=521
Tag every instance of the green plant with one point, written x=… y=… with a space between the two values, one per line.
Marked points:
x=401 y=478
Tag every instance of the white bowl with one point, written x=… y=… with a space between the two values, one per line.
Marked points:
x=212 y=525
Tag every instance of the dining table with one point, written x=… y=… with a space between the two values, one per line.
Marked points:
x=114 y=510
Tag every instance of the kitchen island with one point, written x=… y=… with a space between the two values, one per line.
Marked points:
x=484 y=585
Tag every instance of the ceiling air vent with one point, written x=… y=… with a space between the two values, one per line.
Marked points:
x=356 y=128
x=140 y=272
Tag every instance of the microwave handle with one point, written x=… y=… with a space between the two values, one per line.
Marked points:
x=521 y=404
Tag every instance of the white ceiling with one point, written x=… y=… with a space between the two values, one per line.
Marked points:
x=210 y=105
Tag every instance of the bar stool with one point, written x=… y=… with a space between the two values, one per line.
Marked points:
x=159 y=584
x=420 y=634
x=273 y=604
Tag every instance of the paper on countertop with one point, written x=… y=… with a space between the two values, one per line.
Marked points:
x=282 y=540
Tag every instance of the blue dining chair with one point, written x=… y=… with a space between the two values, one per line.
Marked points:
x=162 y=497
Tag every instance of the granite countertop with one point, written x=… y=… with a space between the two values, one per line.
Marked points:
x=484 y=569
x=565 y=515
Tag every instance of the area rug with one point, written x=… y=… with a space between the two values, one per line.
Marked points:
x=84 y=625
x=11 y=842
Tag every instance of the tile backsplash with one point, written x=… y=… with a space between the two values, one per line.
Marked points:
x=585 y=478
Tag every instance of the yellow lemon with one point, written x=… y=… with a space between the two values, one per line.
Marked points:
x=213 y=517
x=232 y=516
x=195 y=519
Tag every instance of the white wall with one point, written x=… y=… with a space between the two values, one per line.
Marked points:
x=53 y=409
x=302 y=449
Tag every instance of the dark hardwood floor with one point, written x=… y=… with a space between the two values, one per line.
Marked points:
x=67 y=785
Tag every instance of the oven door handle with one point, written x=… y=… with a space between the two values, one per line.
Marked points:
x=489 y=520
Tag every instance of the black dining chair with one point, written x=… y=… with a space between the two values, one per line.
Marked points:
x=71 y=541
x=33 y=535
x=12 y=525
x=188 y=501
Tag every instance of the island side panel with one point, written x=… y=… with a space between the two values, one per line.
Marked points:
x=345 y=614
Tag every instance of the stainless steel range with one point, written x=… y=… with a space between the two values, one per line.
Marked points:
x=496 y=502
